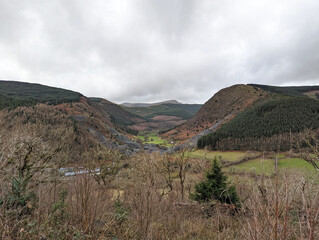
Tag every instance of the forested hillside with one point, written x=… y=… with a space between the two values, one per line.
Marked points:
x=265 y=122
x=191 y=108
x=14 y=94
x=118 y=115
x=223 y=106
x=288 y=91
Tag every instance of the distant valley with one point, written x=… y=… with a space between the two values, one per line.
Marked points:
x=127 y=104
x=247 y=114
x=74 y=167
x=163 y=116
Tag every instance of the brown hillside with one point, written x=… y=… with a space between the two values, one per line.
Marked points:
x=117 y=113
x=76 y=128
x=224 y=105
x=129 y=121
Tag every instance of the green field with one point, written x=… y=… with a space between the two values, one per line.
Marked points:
x=153 y=138
x=255 y=165
x=267 y=166
x=280 y=155
x=295 y=163
x=231 y=156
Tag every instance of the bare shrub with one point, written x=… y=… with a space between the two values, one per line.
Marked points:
x=148 y=201
x=87 y=202
x=143 y=194
x=307 y=146
x=291 y=214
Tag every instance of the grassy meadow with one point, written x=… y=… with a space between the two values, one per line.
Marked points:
x=153 y=138
x=255 y=163
x=231 y=156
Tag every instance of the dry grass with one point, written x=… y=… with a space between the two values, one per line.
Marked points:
x=151 y=206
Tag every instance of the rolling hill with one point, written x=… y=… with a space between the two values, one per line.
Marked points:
x=80 y=124
x=14 y=94
x=162 y=116
x=119 y=116
x=267 y=125
x=127 y=104
x=251 y=117
x=222 y=107
x=62 y=118
x=240 y=117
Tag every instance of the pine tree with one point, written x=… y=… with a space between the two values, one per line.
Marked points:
x=215 y=186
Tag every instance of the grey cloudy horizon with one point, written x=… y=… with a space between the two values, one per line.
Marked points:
x=156 y=50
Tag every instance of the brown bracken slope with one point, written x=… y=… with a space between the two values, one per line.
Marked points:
x=77 y=129
x=225 y=104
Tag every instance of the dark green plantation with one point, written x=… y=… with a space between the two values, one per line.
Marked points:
x=14 y=94
x=265 y=121
x=288 y=91
x=191 y=108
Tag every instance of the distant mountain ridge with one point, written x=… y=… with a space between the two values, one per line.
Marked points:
x=126 y=104
x=163 y=116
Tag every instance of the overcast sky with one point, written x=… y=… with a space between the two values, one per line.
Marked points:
x=153 y=50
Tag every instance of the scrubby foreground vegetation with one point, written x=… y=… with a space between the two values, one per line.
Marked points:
x=146 y=197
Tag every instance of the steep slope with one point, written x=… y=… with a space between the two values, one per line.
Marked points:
x=119 y=116
x=223 y=106
x=77 y=127
x=270 y=124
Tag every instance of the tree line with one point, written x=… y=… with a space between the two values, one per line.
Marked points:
x=265 y=125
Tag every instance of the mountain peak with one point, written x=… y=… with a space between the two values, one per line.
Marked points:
x=127 y=104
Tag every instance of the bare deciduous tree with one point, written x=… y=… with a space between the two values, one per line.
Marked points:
x=182 y=163
x=307 y=147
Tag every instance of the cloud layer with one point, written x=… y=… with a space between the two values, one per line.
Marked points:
x=142 y=50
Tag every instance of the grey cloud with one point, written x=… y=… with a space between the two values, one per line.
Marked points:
x=141 y=50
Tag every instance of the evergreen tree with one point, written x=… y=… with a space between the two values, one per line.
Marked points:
x=266 y=121
x=215 y=186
